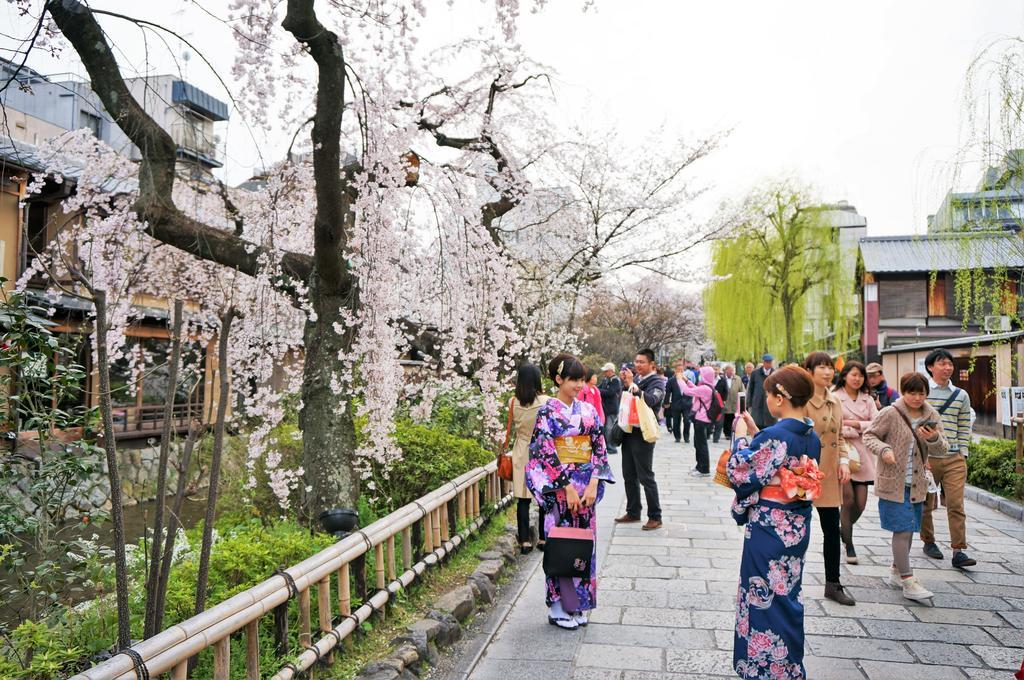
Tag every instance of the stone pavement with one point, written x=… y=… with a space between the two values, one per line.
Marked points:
x=666 y=600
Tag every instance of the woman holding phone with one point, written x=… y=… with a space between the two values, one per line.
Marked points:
x=902 y=437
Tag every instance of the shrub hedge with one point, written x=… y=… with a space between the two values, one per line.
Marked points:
x=991 y=466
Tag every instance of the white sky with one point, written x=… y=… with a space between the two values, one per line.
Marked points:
x=863 y=100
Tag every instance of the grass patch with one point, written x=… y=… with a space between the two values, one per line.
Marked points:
x=374 y=641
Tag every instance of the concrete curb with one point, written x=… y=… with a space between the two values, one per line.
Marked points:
x=1009 y=508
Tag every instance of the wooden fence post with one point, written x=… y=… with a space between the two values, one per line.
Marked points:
x=252 y=650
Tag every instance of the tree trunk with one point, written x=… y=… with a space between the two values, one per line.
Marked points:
x=116 y=511
x=327 y=419
x=787 y=320
x=194 y=430
x=152 y=582
x=218 y=448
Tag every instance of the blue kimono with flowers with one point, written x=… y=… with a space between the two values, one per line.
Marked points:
x=769 y=638
x=547 y=477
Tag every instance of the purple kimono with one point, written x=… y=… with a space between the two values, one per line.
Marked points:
x=547 y=477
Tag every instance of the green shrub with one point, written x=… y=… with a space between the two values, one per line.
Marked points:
x=431 y=457
x=36 y=654
x=460 y=412
x=991 y=466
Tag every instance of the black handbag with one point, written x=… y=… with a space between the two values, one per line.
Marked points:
x=568 y=552
x=616 y=434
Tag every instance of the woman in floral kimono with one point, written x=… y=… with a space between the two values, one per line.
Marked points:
x=566 y=473
x=775 y=477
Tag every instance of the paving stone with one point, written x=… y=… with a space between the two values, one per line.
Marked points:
x=858 y=648
x=671 y=585
x=986 y=674
x=638 y=571
x=522 y=669
x=968 y=617
x=616 y=583
x=944 y=654
x=725 y=603
x=1016 y=619
x=1010 y=637
x=868 y=610
x=886 y=670
x=899 y=630
x=721 y=620
x=596 y=674
x=1009 y=658
x=649 y=636
x=616 y=656
x=829 y=668
x=637 y=550
x=724 y=639
x=1016 y=580
x=699 y=661
x=675 y=618
x=634 y=598
x=824 y=625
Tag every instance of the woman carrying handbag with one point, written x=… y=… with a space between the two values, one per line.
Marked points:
x=567 y=471
x=522 y=416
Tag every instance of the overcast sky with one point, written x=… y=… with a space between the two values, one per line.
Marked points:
x=865 y=100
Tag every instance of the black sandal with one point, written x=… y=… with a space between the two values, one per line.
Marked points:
x=525 y=548
x=559 y=621
x=540 y=545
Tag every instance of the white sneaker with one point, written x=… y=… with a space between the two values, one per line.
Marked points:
x=895 y=580
x=913 y=590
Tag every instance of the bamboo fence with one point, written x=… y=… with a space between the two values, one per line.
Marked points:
x=429 y=518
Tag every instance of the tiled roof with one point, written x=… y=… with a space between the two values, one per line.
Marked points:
x=31 y=158
x=942 y=252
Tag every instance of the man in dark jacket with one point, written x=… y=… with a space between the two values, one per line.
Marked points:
x=610 y=388
x=680 y=406
x=880 y=390
x=757 y=398
x=638 y=454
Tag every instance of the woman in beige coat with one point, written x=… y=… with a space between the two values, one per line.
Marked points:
x=523 y=409
x=903 y=436
x=827 y=413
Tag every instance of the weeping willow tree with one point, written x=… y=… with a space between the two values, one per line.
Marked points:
x=780 y=284
x=994 y=133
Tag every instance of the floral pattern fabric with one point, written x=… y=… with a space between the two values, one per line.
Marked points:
x=768 y=641
x=547 y=477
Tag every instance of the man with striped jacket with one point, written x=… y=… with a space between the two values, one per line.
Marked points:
x=950 y=469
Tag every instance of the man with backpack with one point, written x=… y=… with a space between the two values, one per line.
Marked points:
x=883 y=394
x=949 y=469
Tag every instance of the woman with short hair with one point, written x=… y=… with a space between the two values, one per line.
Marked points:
x=903 y=437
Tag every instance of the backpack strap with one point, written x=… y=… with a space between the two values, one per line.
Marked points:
x=949 y=402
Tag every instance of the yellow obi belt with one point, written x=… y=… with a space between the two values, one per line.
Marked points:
x=573 y=449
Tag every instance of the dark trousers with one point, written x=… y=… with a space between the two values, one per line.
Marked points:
x=829 y=519
x=670 y=419
x=700 y=443
x=523 y=520
x=681 y=421
x=610 y=419
x=637 y=471
x=723 y=426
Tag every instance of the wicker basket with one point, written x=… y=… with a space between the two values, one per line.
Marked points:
x=720 y=470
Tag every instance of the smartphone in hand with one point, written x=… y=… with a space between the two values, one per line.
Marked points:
x=743 y=402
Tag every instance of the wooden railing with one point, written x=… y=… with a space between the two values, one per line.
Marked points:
x=148 y=420
x=430 y=518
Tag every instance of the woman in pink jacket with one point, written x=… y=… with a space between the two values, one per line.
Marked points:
x=859 y=411
x=702 y=394
x=590 y=394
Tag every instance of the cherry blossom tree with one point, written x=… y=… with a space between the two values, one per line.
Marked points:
x=405 y=213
